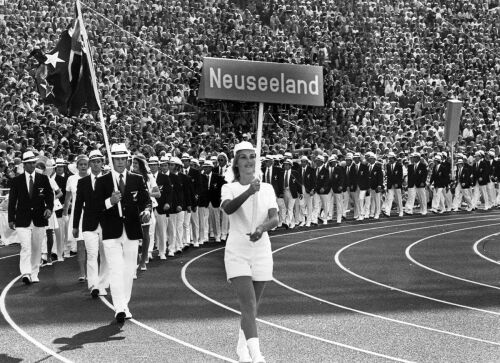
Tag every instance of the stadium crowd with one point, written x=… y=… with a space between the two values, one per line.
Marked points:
x=389 y=67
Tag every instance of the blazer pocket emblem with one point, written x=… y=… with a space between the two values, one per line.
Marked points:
x=40 y=192
x=134 y=195
x=160 y=187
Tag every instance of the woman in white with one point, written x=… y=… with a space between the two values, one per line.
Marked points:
x=82 y=165
x=140 y=166
x=252 y=209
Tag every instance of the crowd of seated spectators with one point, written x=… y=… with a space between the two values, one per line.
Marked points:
x=389 y=67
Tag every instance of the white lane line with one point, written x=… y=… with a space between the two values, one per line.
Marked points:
x=20 y=331
x=4 y=257
x=480 y=254
x=169 y=337
x=393 y=288
x=310 y=336
x=410 y=257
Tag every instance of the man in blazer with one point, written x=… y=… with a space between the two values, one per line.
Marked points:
x=97 y=276
x=222 y=166
x=187 y=188
x=362 y=185
x=308 y=179
x=213 y=194
x=123 y=200
x=194 y=176
x=273 y=175
x=481 y=172
x=161 y=211
x=322 y=188
x=31 y=200
x=394 y=172
x=416 y=180
x=376 y=185
x=337 y=180
x=177 y=208
x=204 y=202
x=63 y=247
x=463 y=178
x=439 y=180
x=291 y=191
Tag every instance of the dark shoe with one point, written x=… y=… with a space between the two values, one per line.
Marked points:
x=94 y=293
x=53 y=256
x=72 y=254
x=120 y=317
x=26 y=280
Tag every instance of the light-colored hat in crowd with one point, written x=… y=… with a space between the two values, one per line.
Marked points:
x=391 y=155
x=29 y=157
x=195 y=161
x=320 y=158
x=164 y=159
x=287 y=161
x=438 y=157
x=186 y=156
x=460 y=161
x=175 y=160
x=348 y=156
x=304 y=158
x=154 y=160
x=61 y=162
x=119 y=151
x=356 y=155
x=95 y=154
x=208 y=163
x=332 y=157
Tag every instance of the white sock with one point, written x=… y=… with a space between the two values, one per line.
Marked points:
x=254 y=348
x=242 y=349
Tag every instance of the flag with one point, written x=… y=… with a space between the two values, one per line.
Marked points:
x=65 y=76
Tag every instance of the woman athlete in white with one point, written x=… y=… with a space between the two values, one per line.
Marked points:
x=248 y=257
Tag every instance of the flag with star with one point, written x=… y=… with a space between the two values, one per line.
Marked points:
x=64 y=76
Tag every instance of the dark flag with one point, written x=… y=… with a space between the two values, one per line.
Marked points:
x=63 y=76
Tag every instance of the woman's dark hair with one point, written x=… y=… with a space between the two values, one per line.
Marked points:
x=143 y=169
x=234 y=168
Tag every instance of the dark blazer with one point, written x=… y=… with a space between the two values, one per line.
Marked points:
x=421 y=173
x=376 y=177
x=293 y=183
x=337 y=179
x=85 y=201
x=195 y=177
x=132 y=205
x=165 y=187
x=323 y=180
x=61 y=182
x=203 y=200
x=276 y=179
x=213 y=191
x=352 y=177
x=188 y=191
x=465 y=177
x=439 y=177
x=308 y=178
x=481 y=172
x=22 y=209
x=394 y=178
x=363 y=177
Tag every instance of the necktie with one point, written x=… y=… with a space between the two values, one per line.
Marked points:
x=371 y=167
x=269 y=175
x=121 y=185
x=286 y=179
x=303 y=173
x=93 y=182
x=30 y=189
x=331 y=172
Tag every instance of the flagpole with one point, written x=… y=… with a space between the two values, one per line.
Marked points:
x=86 y=47
x=260 y=122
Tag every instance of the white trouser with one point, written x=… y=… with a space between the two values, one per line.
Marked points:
x=337 y=201
x=394 y=193
x=224 y=224
x=174 y=231
x=121 y=256
x=374 y=203
x=476 y=197
x=62 y=237
x=460 y=194
x=152 y=229
x=289 y=202
x=410 y=201
x=448 y=200
x=214 y=222
x=346 y=197
x=308 y=204
x=437 y=198
x=31 y=245
x=422 y=198
x=195 y=226
x=204 y=213
x=320 y=202
x=490 y=187
x=186 y=228
x=362 y=210
x=97 y=274
x=281 y=211
x=160 y=234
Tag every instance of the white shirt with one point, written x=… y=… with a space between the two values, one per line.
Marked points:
x=27 y=176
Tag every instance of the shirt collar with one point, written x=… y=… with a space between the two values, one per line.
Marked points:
x=28 y=174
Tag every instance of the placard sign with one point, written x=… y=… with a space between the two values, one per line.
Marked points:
x=250 y=81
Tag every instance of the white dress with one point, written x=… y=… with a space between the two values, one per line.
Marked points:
x=53 y=224
x=71 y=185
x=243 y=257
x=151 y=184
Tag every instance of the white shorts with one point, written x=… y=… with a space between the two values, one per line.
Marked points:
x=245 y=258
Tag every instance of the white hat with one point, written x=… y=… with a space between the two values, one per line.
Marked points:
x=304 y=158
x=460 y=161
x=369 y=154
x=29 y=157
x=195 y=161
x=154 y=160
x=332 y=157
x=175 y=160
x=223 y=154
x=477 y=153
x=164 y=159
x=415 y=154
x=119 y=151
x=491 y=153
x=287 y=161
x=348 y=156
x=168 y=155
x=95 y=154
x=391 y=155
x=437 y=157
x=208 y=163
x=186 y=156
x=244 y=145
x=213 y=158
x=356 y=155
x=321 y=158
x=61 y=162
x=288 y=154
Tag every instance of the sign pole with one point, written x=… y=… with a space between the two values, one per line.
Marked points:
x=258 y=147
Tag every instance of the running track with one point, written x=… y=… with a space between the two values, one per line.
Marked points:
x=421 y=289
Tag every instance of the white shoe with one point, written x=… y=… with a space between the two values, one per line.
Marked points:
x=196 y=244
x=401 y=214
x=242 y=349
x=171 y=254
x=163 y=257
x=308 y=224
x=103 y=292
x=360 y=218
x=34 y=279
x=128 y=314
x=302 y=224
x=292 y=226
x=376 y=217
x=325 y=221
